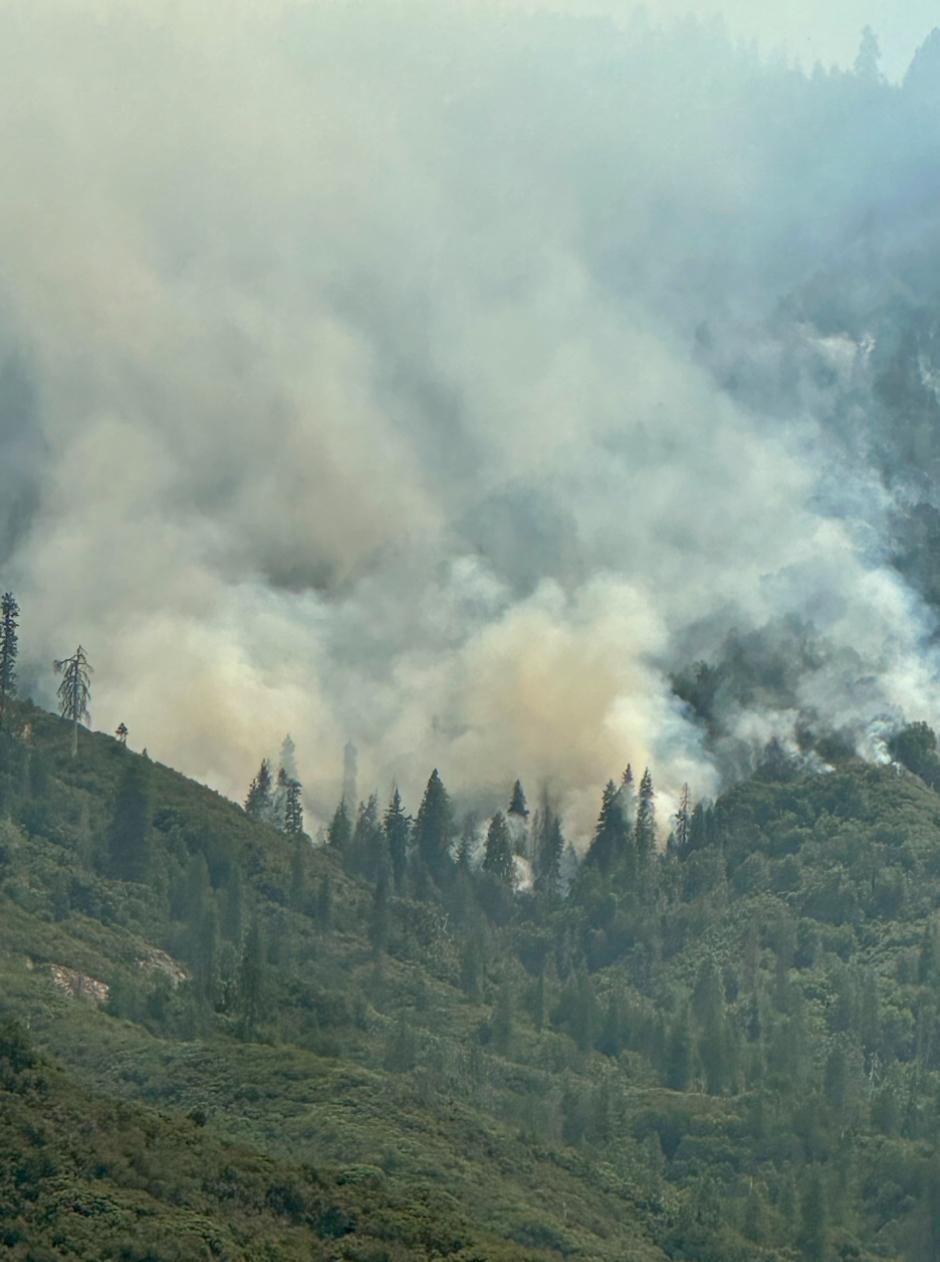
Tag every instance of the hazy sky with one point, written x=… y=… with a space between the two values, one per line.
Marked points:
x=804 y=28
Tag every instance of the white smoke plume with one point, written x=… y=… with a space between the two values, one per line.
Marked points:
x=368 y=375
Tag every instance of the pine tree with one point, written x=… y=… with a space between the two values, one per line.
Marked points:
x=468 y=841
x=645 y=820
x=74 y=691
x=294 y=810
x=396 y=826
x=9 y=647
x=279 y=802
x=628 y=794
x=549 y=848
x=129 y=837
x=682 y=823
x=867 y=60
x=121 y=733
x=497 y=856
x=609 y=848
x=368 y=852
x=517 y=805
x=434 y=827
x=259 y=804
x=339 y=833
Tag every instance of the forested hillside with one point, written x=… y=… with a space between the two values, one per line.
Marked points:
x=223 y=1041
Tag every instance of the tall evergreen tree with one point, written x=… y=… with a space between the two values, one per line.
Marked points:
x=74 y=691
x=434 y=827
x=369 y=848
x=682 y=823
x=549 y=848
x=646 y=819
x=279 y=801
x=611 y=840
x=396 y=826
x=497 y=855
x=517 y=805
x=339 y=833
x=9 y=647
x=294 y=809
x=628 y=794
x=259 y=804
x=129 y=836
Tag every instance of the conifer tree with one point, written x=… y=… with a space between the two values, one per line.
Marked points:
x=868 y=57
x=396 y=825
x=339 y=833
x=9 y=647
x=259 y=804
x=611 y=839
x=549 y=848
x=628 y=794
x=129 y=837
x=368 y=852
x=497 y=856
x=646 y=819
x=434 y=827
x=74 y=691
x=121 y=733
x=682 y=823
x=279 y=802
x=294 y=810
x=517 y=805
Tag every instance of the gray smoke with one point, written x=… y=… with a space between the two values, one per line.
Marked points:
x=422 y=377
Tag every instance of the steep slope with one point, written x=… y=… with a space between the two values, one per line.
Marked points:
x=729 y=1051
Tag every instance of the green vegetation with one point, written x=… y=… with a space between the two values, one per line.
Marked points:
x=221 y=1041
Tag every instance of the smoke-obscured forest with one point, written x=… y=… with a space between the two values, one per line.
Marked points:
x=522 y=393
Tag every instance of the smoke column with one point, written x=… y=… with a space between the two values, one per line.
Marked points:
x=447 y=379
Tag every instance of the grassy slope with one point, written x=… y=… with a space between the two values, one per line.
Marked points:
x=431 y=1172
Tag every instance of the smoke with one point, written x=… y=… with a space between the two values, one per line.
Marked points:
x=424 y=380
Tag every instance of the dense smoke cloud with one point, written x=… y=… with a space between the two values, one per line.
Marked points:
x=421 y=378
